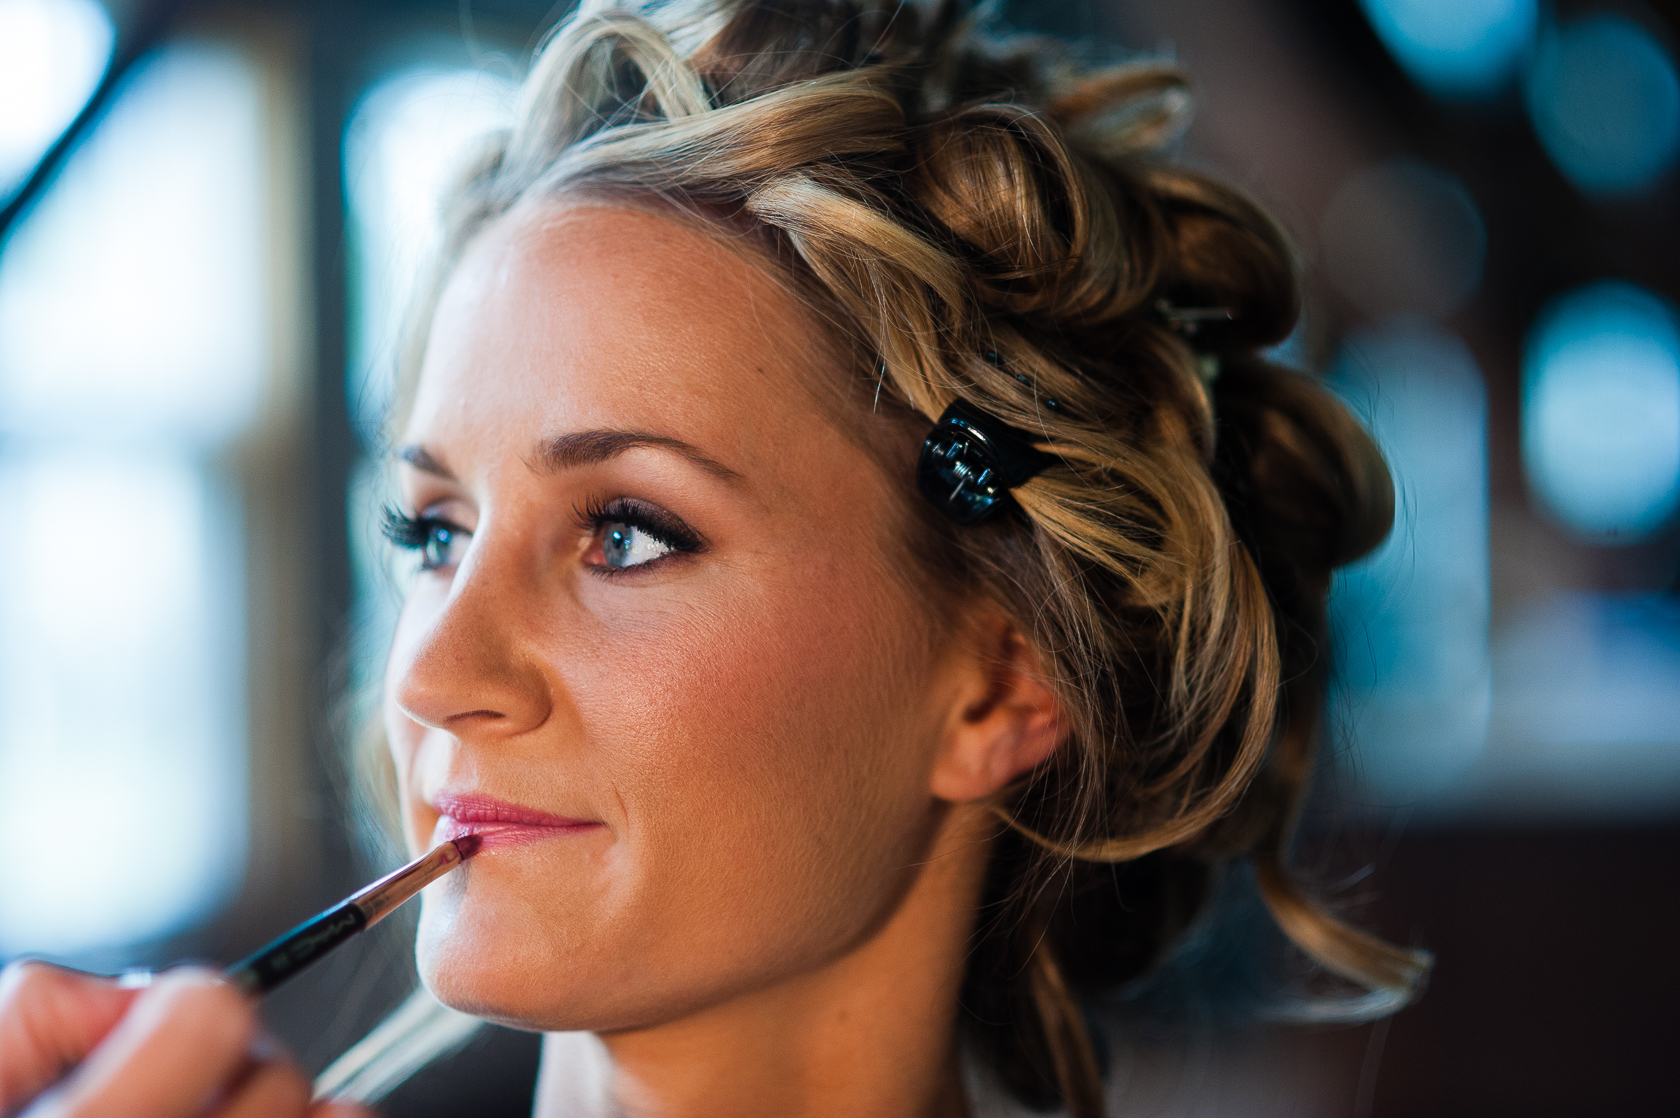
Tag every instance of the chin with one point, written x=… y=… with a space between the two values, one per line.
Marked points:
x=503 y=938
x=489 y=964
x=499 y=957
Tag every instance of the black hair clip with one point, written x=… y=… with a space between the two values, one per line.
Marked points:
x=971 y=460
x=1188 y=321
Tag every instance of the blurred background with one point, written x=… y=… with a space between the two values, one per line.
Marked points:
x=211 y=216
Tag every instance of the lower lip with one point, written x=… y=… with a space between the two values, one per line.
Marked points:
x=500 y=835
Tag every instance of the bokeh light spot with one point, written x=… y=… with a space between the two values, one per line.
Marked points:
x=1605 y=102
x=1601 y=412
x=1455 y=48
x=1404 y=238
x=1411 y=619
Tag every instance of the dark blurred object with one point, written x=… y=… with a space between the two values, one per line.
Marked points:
x=494 y=1076
x=1556 y=975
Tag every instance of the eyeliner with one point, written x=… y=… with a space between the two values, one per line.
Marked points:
x=312 y=940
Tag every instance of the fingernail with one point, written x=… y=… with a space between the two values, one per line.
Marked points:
x=135 y=978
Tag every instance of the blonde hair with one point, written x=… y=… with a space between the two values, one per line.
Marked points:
x=980 y=218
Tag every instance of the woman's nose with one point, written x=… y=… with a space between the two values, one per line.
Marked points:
x=457 y=662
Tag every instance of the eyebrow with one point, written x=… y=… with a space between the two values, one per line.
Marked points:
x=582 y=448
x=588 y=448
x=421 y=459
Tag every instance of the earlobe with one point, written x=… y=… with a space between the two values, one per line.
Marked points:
x=1007 y=720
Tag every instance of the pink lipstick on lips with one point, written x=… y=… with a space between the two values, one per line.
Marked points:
x=499 y=823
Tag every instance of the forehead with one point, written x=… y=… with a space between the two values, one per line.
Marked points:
x=569 y=317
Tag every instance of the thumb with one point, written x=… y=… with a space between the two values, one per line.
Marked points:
x=50 y=1018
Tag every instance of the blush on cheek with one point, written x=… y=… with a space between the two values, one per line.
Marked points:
x=775 y=786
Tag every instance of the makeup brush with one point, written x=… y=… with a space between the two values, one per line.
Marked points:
x=261 y=972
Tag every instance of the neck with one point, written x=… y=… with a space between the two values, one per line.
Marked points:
x=872 y=1032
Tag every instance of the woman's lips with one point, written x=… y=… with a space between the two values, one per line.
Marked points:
x=499 y=823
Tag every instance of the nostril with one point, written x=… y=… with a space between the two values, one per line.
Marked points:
x=475 y=716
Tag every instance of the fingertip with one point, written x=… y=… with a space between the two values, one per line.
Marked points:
x=192 y=974
x=135 y=978
x=86 y=1004
x=40 y=975
x=265 y=1047
x=184 y=1040
x=51 y=1017
x=201 y=1008
x=200 y=986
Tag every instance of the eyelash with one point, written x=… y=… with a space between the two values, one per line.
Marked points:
x=596 y=514
x=405 y=531
x=413 y=533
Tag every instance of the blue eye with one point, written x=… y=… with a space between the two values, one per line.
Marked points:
x=633 y=533
x=445 y=545
x=630 y=545
x=440 y=544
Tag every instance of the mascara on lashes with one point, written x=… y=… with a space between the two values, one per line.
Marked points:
x=415 y=533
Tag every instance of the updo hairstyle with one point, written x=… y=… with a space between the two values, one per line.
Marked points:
x=978 y=217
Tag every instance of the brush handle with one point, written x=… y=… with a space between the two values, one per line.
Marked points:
x=263 y=970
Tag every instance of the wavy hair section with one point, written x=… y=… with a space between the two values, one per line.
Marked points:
x=979 y=217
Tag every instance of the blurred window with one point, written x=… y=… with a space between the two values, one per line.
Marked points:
x=411 y=133
x=134 y=337
x=52 y=55
x=409 y=136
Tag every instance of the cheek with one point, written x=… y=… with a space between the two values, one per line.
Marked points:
x=779 y=786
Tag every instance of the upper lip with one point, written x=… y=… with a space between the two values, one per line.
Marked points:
x=473 y=808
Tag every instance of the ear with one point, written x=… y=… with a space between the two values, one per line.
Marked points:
x=1005 y=718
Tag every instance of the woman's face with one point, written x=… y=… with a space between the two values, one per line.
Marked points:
x=662 y=650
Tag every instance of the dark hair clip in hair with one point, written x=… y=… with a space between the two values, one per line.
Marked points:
x=1188 y=320
x=971 y=460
